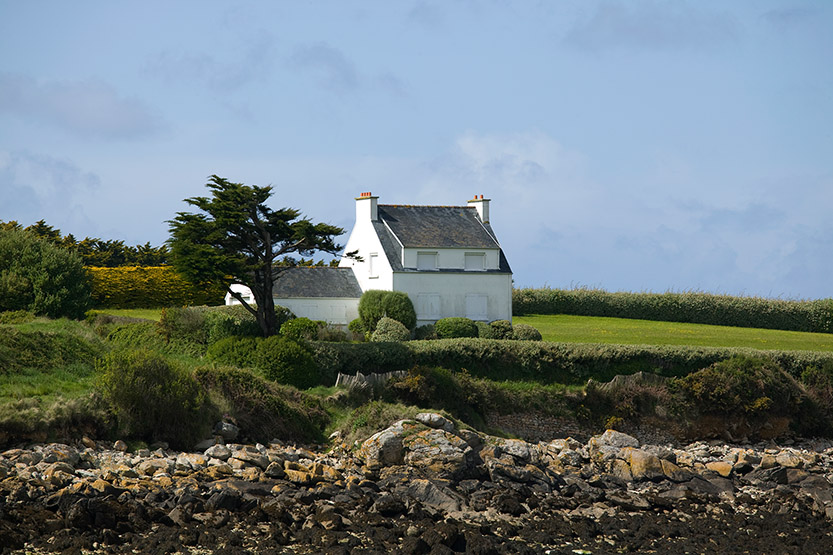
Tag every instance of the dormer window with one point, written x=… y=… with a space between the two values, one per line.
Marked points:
x=475 y=261
x=426 y=261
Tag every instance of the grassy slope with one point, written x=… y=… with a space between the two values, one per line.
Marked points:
x=587 y=329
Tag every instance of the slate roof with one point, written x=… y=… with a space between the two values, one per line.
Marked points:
x=437 y=226
x=408 y=226
x=316 y=281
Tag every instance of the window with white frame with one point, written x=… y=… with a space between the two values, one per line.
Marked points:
x=373 y=265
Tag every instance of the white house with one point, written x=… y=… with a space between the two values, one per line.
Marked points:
x=446 y=258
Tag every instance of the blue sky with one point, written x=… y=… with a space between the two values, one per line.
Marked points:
x=639 y=146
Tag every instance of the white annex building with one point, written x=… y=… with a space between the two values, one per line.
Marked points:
x=446 y=258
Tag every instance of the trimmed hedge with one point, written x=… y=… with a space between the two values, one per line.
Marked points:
x=539 y=361
x=697 y=308
x=449 y=328
x=148 y=287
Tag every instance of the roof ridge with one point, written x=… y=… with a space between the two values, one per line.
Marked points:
x=427 y=206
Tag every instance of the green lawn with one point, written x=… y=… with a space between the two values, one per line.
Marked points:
x=587 y=329
x=146 y=313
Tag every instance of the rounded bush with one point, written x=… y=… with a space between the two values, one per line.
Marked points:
x=501 y=329
x=300 y=329
x=375 y=304
x=234 y=351
x=37 y=276
x=525 y=332
x=448 y=328
x=152 y=398
x=484 y=330
x=390 y=330
x=285 y=361
x=356 y=327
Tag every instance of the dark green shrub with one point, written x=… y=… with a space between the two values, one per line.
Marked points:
x=375 y=304
x=16 y=317
x=285 y=361
x=740 y=384
x=350 y=358
x=234 y=351
x=449 y=328
x=525 y=332
x=426 y=332
x=356 y=327
x=484 y=330
x=332 y=333
x=152 y=398
x=300 y=329
x=501 y=329
x=183 y=324
x=264 y=410
x=389 y=329
x=227 y=321
x=39 y=277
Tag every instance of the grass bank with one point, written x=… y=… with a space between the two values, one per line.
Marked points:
x=589 y=329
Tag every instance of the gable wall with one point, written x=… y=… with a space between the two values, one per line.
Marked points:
x=364 y=239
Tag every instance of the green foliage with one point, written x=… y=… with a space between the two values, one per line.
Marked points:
x=449 y=328
x=148 y=287
x=350 y=358
x=332 y=333
x=235 y=238
x=39 y=277
x=228 y=321
x=356 y=327
x=183 y=324
x=153 y=398
x=21 y=349
x=285 y=361
x=484 y=330
x=700 y=308
x=740 y=384
x=426 y=332
x=264 y=410
x=234 y=351
x=300 y=329
x=501 y=329
x=145 y=335
x=16 y=317
x=525 y=332
x=389 y=329
x=376 y=304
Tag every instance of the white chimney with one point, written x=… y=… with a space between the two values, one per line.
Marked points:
x=482 y=205
x=367 y=207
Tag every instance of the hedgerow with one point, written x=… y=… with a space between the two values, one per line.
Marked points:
x=538 y=361
x=693 y=307
x=147 y=287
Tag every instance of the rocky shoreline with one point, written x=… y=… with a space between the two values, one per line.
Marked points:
x=420 y=486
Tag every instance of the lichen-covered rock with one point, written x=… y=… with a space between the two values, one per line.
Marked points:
x=440 y=452
x=385 y=448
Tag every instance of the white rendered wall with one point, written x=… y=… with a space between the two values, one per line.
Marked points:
x=339 y=311
x=458 y=292
x=452 y=258
x=244 y=291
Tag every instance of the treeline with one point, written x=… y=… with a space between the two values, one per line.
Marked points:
x=97 y=252
x=690 y=307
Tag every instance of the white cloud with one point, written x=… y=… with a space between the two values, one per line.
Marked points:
x=86 y=108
